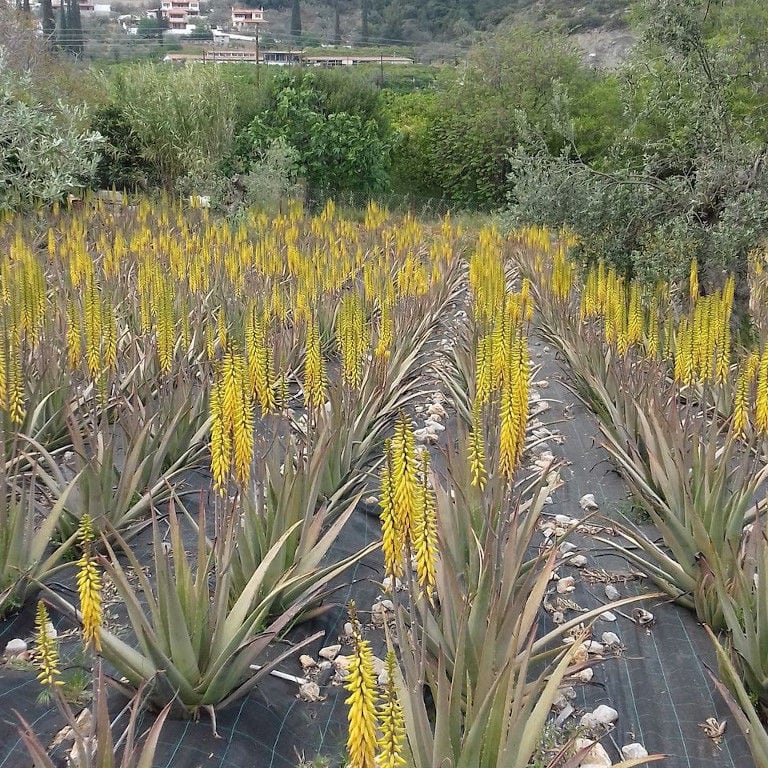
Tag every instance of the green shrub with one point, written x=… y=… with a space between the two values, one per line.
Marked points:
x=45 y=151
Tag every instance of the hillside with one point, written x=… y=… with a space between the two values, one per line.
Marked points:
x=419 y=22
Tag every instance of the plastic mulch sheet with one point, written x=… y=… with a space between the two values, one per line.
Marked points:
x=658 y=682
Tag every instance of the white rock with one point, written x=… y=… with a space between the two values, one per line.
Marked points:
x=309 y=691
x=633 y=751
x=330 y=652
x=425 y=436
x=587 y=502
x=15 y=647
x=342 y=662
x=597 y=757
x=611 y=592
x=610 y=639
x=50 y=631
x=434 y=426
x=562 y=519
x=387 y=584
x=578 y=561
x=566 y=547
x=601 y=716
x=594 y=648
x=558 y=617
x=642 y=617
x=307 y=662
x=378 y=665
x=437 y=410
x=383 y=678
x=566 y=584
x=608 y=616
x=560 y=701
x=325 y=665
x=372 y=500
x=585 y=675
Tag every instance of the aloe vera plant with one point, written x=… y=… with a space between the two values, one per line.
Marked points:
x=741 y=704
x=96 y=745
x=491 y=676
x=29 y=553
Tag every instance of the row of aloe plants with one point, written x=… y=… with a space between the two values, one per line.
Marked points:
x=682 y=410
x=471 y=677
x=236 y=344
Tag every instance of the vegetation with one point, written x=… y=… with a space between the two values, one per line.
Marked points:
x=212 y=306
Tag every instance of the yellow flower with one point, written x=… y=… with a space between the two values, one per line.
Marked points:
x=391 y=722
x=477 y=448
x=424 y=534
x=361 y=685
x=404 y=477
x=392 y=535
x=46 y=653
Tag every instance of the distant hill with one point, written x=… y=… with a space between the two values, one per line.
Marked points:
x=420 y=22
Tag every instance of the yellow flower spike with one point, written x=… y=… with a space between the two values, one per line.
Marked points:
x=89 y=587
x=652 y=337
x=109 y=324
x=314 y=367
x=424 y=534
x=221 y=441
x=635 y=318
x=3 y=378
x=761 y=398
x=15 y=387
x=391 y=721
x=477 y=447
x=741 y=396
x=361 y=686
x=693 y=282
x=45 y=655
x=93 y=328
x=484 y=371
x=405 y=481
x=392 y=535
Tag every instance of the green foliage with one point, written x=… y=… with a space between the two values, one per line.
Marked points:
x=412 y=116
x=332 y=123
x=463 y=135
x=179 y=122
x=45 y=151
x=682 y=172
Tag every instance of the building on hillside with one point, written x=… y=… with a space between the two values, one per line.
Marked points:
x=345 y=60
x=178 y=13
x=282 y=58
x=247 y=18
x=87 y=7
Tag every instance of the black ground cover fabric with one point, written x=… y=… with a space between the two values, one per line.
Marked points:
x=658 y=684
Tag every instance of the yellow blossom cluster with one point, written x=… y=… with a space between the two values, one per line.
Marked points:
x=408 y=516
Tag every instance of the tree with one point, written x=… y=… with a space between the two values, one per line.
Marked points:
x=48 y=20
x=74 y=28
x=686 y=175
x=338 y=138
x=364 y=21
x=516 y=72
x=337 y=23
x=296 y=18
